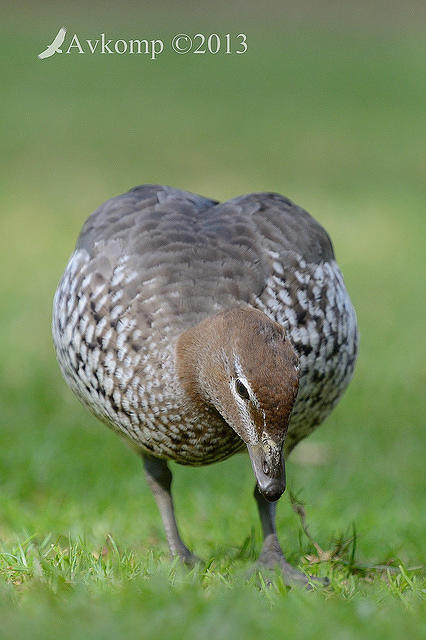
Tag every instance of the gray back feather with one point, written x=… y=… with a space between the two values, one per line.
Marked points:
x=199 y=255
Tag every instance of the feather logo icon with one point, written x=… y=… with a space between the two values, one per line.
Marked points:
x=55 y=47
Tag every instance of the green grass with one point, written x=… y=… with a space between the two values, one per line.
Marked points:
x=328 y=114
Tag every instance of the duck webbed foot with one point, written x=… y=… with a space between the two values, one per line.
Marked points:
x=159 y=478
x=272 y=558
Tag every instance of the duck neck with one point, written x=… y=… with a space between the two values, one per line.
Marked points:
x=200 y=358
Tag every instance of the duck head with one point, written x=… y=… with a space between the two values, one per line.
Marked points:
x=242 y=363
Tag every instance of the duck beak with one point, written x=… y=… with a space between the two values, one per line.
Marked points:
x=269 y=470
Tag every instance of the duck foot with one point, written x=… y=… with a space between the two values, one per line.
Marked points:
x=187 y=558
x=272 y=559
x=159 y=478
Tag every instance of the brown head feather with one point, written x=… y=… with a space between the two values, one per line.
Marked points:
x=241 y=346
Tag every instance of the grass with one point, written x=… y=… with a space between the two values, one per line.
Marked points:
x=327 y=114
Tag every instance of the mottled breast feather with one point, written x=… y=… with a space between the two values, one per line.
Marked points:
x=155 y=261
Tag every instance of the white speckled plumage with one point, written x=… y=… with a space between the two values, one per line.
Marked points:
x=153 y=262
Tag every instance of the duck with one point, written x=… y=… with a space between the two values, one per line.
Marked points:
x=197 y=329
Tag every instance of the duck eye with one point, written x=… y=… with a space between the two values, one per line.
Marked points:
x=241 y=390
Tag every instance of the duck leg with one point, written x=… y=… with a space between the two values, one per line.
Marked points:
x=159 y=479
x=272 y=556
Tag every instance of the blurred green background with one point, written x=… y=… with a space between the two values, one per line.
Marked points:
x=326 y=108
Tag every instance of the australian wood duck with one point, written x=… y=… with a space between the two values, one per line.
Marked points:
x=197 y=329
